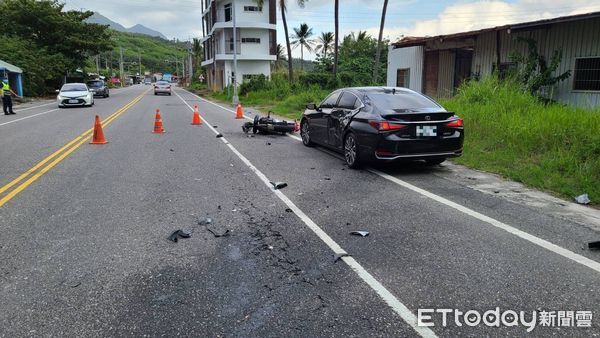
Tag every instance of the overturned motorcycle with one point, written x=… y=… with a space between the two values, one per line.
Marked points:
x=268 y=125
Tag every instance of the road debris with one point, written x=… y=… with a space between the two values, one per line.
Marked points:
x=594 y=245
x=361 y=233
x=205 y=221
x=218 y=232
x=215 y=127
x=327 y=178
x=278 y=185
x=179 y=233
x=583 y=199
x=267 y=125
x=337 y=257
x=219 y=135
x=289 y=210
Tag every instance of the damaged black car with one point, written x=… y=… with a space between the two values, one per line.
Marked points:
x=383 y=124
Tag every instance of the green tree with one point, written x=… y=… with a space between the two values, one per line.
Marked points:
x=533 y=72
x=283 y=8
x=302 y=38
x=46 y=41
x=324 y=43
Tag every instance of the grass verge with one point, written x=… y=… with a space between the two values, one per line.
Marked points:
x=550 y=147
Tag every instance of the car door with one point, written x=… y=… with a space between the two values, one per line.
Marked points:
x=319 y=119
x=338 y=118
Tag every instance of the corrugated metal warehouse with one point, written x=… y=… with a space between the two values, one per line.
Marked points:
x=437 y=65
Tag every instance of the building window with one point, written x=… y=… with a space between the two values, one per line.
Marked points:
x=250 y=40
x=227 y=12
x=587 y=74
x=403 y=78
x=252 y=9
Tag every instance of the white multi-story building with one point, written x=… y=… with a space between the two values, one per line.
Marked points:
x=256 y=37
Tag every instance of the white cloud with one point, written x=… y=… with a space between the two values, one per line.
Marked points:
x=483 y=14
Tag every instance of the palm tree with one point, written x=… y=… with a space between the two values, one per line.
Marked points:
x=280 y=56
x=302 y=38
x=325 y=42
x=378 y=52
x=337 y=34
x=283 y=7
x=197 y=50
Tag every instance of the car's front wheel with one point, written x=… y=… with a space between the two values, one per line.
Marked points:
x=305 y=133
x=351 y=151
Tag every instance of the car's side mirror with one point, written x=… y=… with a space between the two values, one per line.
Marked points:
x=312 y=106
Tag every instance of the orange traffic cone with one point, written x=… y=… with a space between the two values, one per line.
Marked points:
x=239 y=113
x=98 y=137
x=158 y=125
x=196 y=121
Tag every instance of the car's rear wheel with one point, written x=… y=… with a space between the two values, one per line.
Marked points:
x=433 y=162
x=305 y=133
x=351 y=151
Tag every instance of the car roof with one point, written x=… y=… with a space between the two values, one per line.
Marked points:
x=378 y=90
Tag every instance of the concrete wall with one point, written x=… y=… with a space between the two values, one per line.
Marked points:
x=402 y=58
x=247 y=67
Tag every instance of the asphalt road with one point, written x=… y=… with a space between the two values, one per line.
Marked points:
x=84 y=249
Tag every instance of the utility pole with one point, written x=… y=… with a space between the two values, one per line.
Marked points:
x=140 y=62
x=121 y=65
x=236 y=99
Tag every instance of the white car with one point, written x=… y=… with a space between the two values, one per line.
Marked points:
x=75 y=94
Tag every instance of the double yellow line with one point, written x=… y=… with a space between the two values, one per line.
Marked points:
x=49 y=162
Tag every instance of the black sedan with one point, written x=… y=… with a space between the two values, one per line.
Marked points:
x=99 y=87
x=383 y=124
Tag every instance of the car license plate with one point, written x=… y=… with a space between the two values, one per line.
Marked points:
x=426 y=131
x=73 y=101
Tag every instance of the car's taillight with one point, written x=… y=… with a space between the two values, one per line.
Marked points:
x=458 y=123
x=386 y=126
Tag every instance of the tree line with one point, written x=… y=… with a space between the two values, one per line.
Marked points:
x=47 y=42
x=356 y=59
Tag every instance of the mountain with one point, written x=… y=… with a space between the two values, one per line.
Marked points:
x=140 y=29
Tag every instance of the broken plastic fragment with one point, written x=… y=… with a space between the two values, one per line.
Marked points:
x=219 y=135
x=205 y=221
x=337 y=257
x=217 y=233
x=583 y=199
x=278 y=185
x=289 y=210
x=594 y=245
x=360 y=233
x=179 y=233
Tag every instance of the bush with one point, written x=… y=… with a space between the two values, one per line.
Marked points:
x=548 y=146
x=316 y=78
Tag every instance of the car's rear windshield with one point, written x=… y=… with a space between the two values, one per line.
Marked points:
x=162 y=83
x=401 y=100
x=74 y=88
x=95 y=84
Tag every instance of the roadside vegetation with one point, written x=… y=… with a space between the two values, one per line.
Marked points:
x=511 y=132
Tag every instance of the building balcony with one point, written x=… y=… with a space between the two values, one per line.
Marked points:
x=240 y=57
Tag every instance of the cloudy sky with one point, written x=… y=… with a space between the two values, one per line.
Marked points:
x=181 y=18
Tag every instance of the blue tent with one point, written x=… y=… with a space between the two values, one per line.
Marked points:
x=14 y=75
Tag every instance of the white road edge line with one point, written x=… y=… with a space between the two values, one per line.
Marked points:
x=27 y=117
x=386 y=295
x=510 y=229
x=41 y=105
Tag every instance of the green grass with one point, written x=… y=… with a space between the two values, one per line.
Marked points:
x=282 y=100
x=550 y=147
